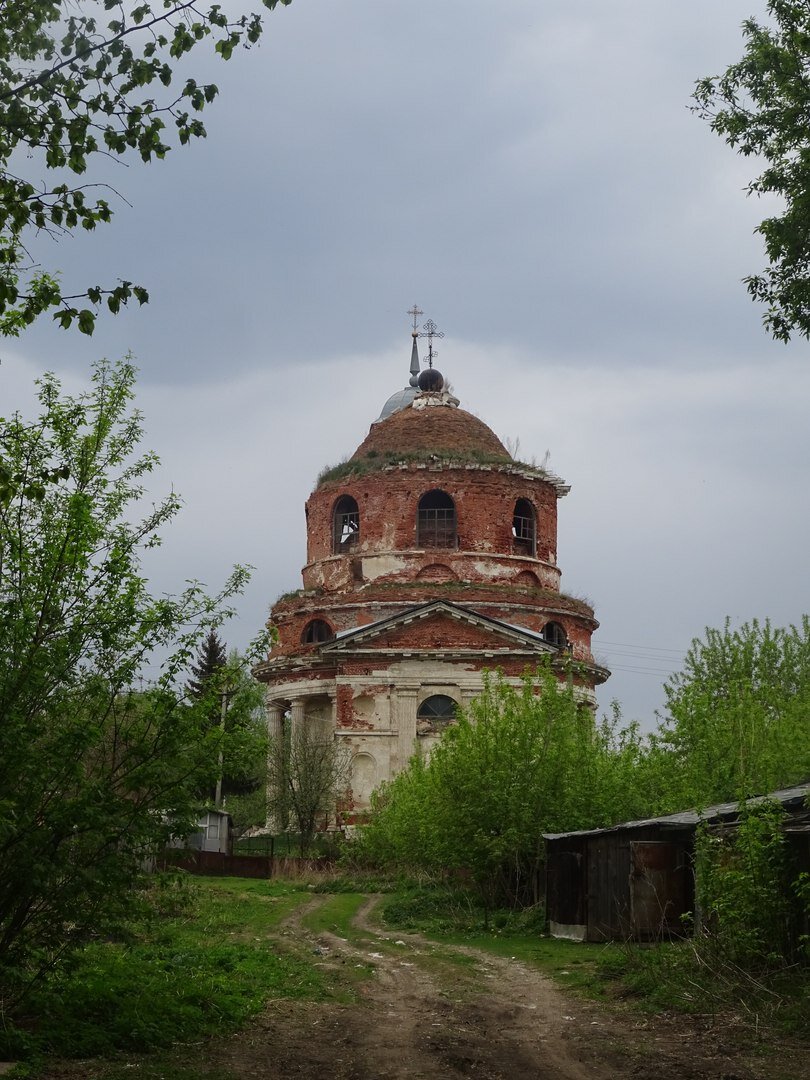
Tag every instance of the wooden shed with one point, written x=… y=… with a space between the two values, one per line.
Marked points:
x=635 y=881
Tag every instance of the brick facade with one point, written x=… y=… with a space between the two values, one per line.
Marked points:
x=431 y=557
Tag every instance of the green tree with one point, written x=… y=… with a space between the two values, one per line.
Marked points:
x=737 y=722
x=95 y=772
x=78 y=81
x=518 y=762
x=233 y=703
x=244 y=756
x=210 y=662
x=307 y=771
x=747 y=892
x=760 y=106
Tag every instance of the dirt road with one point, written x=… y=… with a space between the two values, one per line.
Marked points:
x=433 y=1011
x=422 y=1011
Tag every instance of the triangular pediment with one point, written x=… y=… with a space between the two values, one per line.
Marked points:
x=439 y=627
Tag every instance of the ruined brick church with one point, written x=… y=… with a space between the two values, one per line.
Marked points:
x=431 y=558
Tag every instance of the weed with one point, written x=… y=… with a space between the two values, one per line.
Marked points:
x=203 y=969
x=335 y=914
x=377 y=461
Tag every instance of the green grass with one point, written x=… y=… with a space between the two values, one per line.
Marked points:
x=663 y=977
x=335 y=914
x=204 y=968
x=207 y=955
x=452 y=916
x=677 y=976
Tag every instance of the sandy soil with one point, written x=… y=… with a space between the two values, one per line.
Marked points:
x=424 y=1015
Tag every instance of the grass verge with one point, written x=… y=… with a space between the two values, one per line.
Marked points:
x=450 y=915
x=199 y=962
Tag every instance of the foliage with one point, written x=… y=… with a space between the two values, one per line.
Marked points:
x=306 y=772
x=737 y=714
x=77 y=84
x=678 y=977
x=235 y=709
x=95 y=770
x=441 y=907
x=747 y=949
x=249 y=809
x=759 y=105
x=749 y=912
x=520 y=761
x=211 y=659
x=199 y=967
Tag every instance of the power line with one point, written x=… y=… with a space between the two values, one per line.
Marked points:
x=642 y=671
x=648 y=648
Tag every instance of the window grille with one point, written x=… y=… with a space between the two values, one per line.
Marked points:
x=436 y=521
x=554 y=634
x=524 y=532
x=435 y=713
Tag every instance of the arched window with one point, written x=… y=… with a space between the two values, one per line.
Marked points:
x=435 y=712
x=315 y=631
x=345 y=525
x=554 y=634
x=524 y=528
x=436 y=521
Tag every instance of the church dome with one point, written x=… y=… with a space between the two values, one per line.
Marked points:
x=438 y=430
x=400 y=400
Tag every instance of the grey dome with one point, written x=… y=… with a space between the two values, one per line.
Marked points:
x=400 y=400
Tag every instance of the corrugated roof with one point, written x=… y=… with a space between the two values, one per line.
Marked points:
x=786 y=796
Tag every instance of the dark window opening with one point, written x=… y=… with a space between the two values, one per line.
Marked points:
x=524 y=530
x=345 y=525
x=316 y=631
x=435 y=713
x=436 y=521
x=554 y=634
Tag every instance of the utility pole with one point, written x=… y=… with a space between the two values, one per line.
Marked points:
x=221 y=757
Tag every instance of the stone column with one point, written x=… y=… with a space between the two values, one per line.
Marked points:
x=275 y=720
x=298 y=710
x=404 y=722
x=275 y=733
x=467 y=696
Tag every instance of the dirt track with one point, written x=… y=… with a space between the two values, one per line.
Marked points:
x=431 y=1012
x=424 y=1015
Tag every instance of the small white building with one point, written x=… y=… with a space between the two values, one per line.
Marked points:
x=214 y=832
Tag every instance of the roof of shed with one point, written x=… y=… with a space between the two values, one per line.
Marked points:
x=787 y=797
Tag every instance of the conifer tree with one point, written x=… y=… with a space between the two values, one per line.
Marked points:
x=211 y=659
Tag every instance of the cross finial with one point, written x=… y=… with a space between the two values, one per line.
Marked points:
x=414 y=312
x=430 y=331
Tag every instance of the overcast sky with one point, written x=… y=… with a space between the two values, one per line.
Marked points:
x=530 y=174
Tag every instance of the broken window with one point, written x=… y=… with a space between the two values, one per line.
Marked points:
x=315 y=631
x=345 y=525
x=435 y=713
x=436 y=521
x=554 y=634
x=524 y=530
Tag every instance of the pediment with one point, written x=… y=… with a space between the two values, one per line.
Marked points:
x=437 y=628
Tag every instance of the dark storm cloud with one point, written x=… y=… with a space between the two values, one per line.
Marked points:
x=529 y=174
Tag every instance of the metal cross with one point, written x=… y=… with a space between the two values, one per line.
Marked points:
x=431 y=331
x=415 y=311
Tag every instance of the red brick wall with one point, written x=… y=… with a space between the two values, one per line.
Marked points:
x=384 y=573
x=484 y=496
